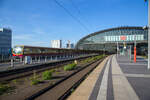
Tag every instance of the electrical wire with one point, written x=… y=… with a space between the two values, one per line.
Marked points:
x=75 y=18
x=79 y=12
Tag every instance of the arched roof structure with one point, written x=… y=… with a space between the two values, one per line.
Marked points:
x=107 y=39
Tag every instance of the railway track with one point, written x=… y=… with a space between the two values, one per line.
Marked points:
x=27 y=71
x=63 y=88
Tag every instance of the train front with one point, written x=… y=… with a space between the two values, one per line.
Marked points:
x=18 y=51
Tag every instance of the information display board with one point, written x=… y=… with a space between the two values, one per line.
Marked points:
x=124 y=38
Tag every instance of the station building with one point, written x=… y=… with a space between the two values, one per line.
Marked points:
x=5 y=43
x=108 y=39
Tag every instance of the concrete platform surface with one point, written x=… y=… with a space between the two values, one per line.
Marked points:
x=84 y=90
x=116 y=78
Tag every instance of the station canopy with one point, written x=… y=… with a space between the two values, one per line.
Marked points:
x=107 y=39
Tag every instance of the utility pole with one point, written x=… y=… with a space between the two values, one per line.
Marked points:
x=148 y=34
x=148 y=27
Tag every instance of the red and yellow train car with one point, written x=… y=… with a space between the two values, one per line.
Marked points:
x=22 y=50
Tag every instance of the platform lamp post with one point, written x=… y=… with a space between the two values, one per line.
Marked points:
x=148 y=33
x=135 y=48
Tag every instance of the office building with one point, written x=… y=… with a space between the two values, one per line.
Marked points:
x=70 y=46
x=56 y=43
x=5 y=42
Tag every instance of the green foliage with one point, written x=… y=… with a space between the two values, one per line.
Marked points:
x=34 y=74
x=47 y=75
x=87 y=60
x=92 y=59
x=72 y=90
x=34 y=79
x=9 y=68
x=57 y=72
x=145 y=57
x=14 y=81
x=4 y=88
x=70 y=66
x=26 y=79
x=98 y=57
x=52 y=70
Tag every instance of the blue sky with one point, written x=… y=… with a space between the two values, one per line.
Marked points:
x=36 y=22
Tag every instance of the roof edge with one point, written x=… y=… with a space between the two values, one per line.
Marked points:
x=109 y=29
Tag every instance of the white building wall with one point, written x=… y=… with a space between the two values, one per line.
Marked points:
x=56 y=43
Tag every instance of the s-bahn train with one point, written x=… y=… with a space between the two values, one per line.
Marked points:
x=22 y=51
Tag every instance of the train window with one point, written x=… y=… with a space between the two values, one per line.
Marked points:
x=46 y=51
x=38 y=51
x=27 y=50
x=42 y=50
x=34 y=50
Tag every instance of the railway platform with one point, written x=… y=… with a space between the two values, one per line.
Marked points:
x=116 y=78
x=20 y=65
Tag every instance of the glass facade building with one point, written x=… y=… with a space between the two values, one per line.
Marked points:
x=108 y=39
x=5 y=42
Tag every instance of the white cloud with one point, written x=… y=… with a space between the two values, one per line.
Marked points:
x=23 y=37
x=33 y=16
x=39 y=43
x=28 y=39
x=38 y=31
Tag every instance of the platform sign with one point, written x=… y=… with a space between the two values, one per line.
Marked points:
x=123 y=38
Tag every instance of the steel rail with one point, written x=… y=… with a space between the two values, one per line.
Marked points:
x=72 y=86
x=23 y=72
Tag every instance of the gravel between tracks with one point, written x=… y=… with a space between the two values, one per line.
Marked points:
x=28 y=90
x=29 y=71
x=59 y=90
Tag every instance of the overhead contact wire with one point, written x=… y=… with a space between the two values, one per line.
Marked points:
x=59 y=4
